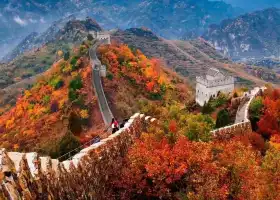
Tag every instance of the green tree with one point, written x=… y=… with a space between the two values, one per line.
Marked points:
x=66 y=55
x=255 y=111
x=223 y=118
x=197 y=127
x=90 y=37
x=207 y=108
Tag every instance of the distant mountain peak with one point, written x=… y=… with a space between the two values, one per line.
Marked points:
x=251 y=35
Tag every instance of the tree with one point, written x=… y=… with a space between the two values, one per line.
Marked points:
x=90 y=37
x=255 y=111
x=66 y=56
x=223 y=118
x=68 y=143
x=207 y=108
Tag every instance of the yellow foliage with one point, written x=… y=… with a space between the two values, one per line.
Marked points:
x=60 y=53
x=74 y=74
x=84 y=114
x=27 y=93
x=10 y=123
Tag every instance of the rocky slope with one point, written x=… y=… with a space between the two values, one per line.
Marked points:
x=188 y=58
x=253 y=35
x=63 y=30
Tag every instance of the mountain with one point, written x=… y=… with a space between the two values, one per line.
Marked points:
x=189 y=58
x=253 y=35
x=55 y=31
x=171 y=19
x=251 y=5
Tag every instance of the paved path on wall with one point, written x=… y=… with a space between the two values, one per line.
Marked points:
x=242 y=113
x=102 y=101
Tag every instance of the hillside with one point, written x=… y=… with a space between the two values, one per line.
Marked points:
x=60 y=103
x=188 y=58
x=40 y=54
x=253 y=35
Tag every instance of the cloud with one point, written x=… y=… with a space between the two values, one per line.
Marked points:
x=33 y=21
x=42 y=20
x=20 y=21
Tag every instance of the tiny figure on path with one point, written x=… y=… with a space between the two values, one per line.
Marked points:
x=115 y=125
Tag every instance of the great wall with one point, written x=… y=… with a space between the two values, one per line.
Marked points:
x=242 y=125
x=28 y=176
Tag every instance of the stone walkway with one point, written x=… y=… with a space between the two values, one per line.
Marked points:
x=102 y=100
x=242 y=113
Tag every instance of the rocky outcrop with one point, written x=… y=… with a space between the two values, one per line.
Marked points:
x=253 y=35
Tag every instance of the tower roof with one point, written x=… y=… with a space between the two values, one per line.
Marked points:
x=213 y=72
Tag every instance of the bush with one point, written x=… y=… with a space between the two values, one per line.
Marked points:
x=56 y=82
x=90 y=37
x=223 y=119
x=72 y=95
x=76 y=83
x=46 y=99
x=68 y=143
x=207 y=109
x=109 y=76
x=73 y=61
x=66 y=56
x=255 y=111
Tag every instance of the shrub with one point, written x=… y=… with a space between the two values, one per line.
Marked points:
x=109 y=76
x=207 y=108
x=223 y=119
x=90 y=37
x=76 y=83
x=72 y=94
x=66 y=56
x=68 y=143
x=46 y=99
x=73 y=61
x=56 y=82
x=255 y=111
x=198 y=127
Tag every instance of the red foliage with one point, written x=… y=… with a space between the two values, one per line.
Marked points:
x=269 y=122
x=136 y=68
x=173 y=126
x=253 y=139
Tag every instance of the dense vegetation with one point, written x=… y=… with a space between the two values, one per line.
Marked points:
x=243 y=167
x=55 y=111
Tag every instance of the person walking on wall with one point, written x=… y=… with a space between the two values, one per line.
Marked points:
x=115 y=125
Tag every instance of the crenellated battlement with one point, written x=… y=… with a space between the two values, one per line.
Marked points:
x=243 y=127
x=214 y=83
x=28 y=176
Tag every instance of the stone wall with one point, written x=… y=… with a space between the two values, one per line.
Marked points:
x=28 y=176
x=230 y=131
x=239 y=128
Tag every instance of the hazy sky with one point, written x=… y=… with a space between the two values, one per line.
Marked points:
x=254 y=4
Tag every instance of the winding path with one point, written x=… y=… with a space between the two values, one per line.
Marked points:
x=102 y=101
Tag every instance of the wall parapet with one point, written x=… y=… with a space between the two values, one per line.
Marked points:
x=28 y=176
x=215 y=83
x=243 y=127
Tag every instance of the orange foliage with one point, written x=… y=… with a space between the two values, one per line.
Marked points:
x=44 y=105
x=135 y=67
x=155 y=168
